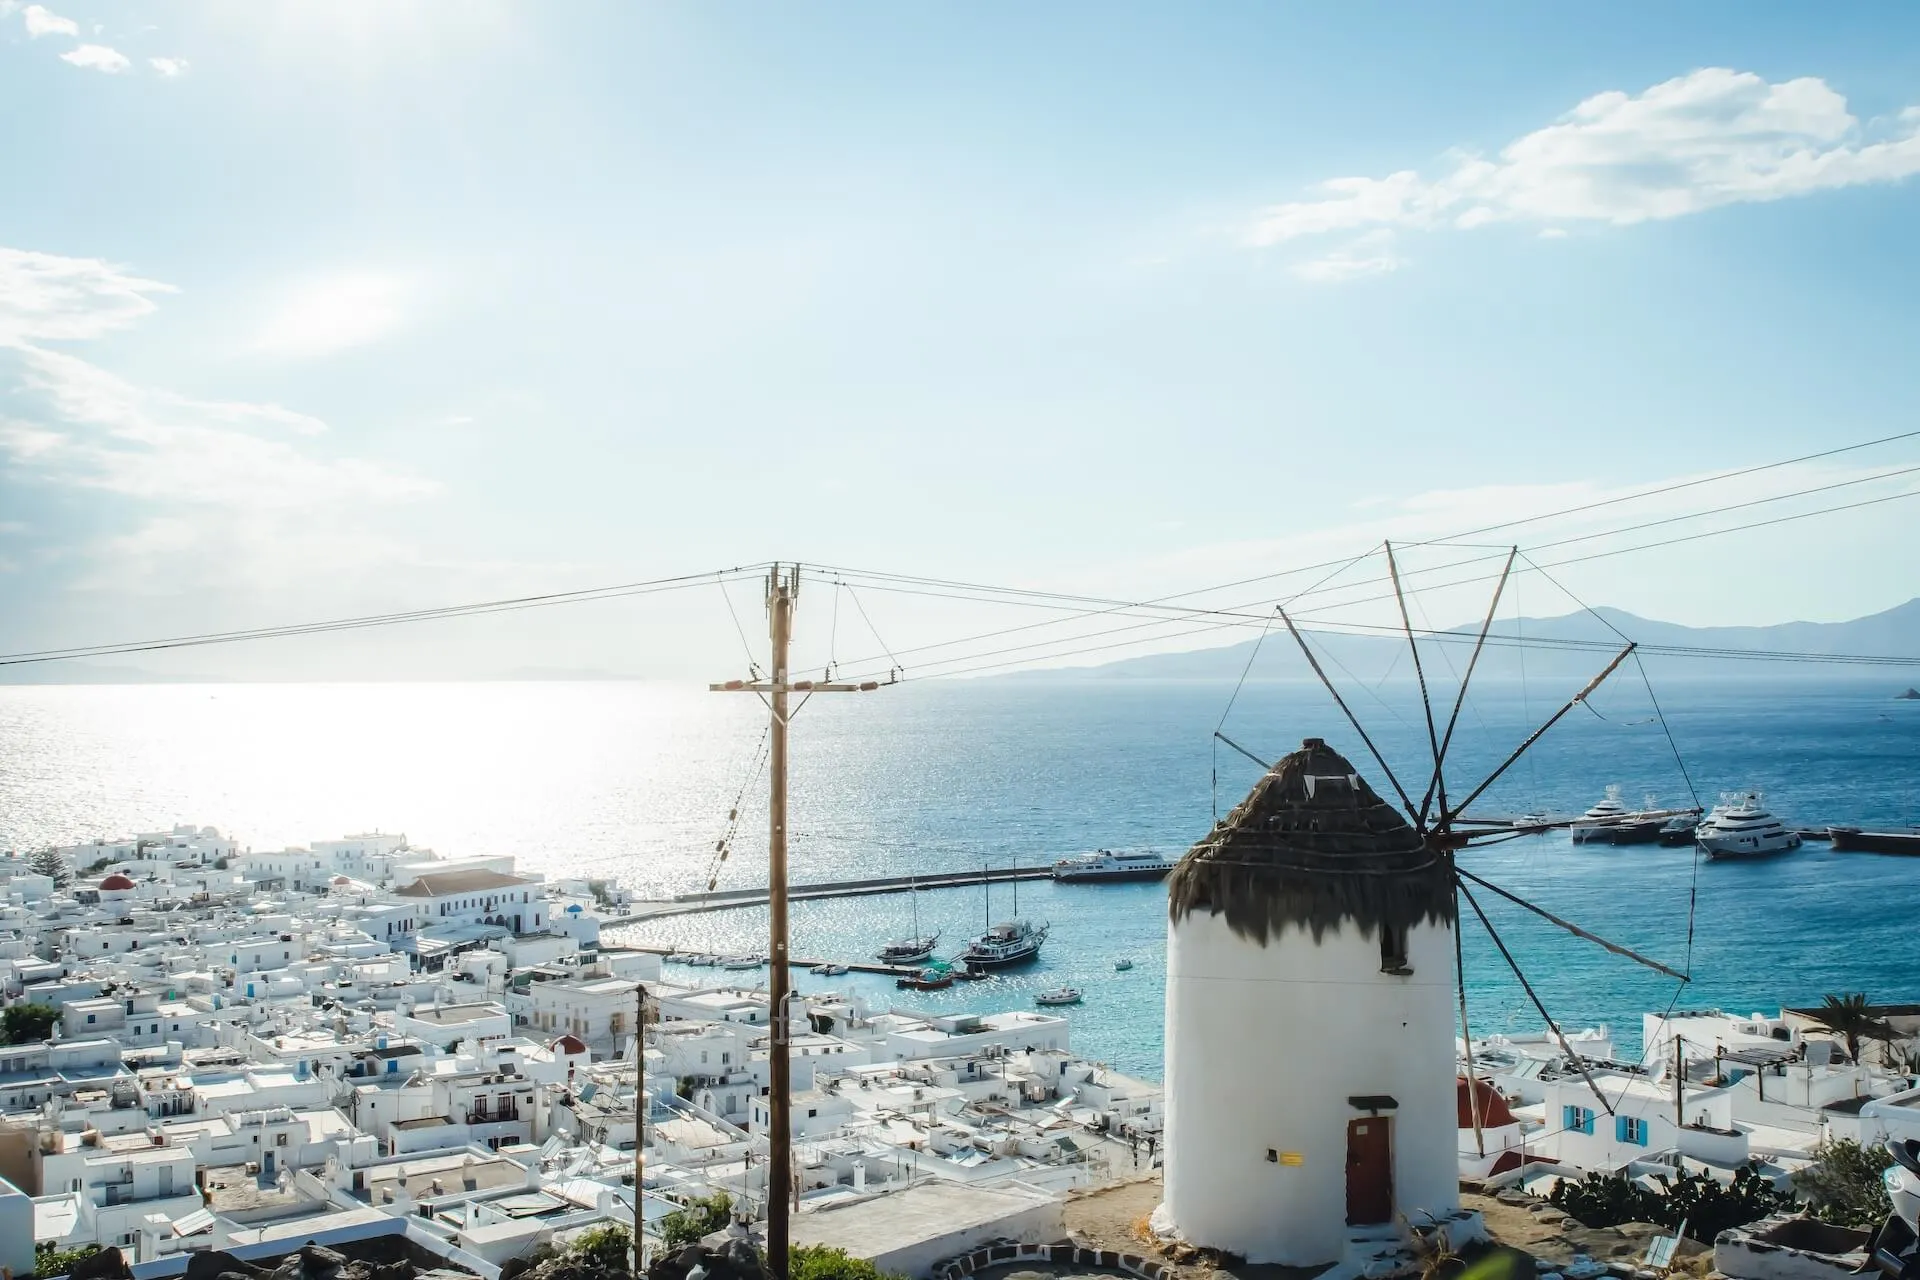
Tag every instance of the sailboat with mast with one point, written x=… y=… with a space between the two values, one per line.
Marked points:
x=914 y=949
x=1007 y=943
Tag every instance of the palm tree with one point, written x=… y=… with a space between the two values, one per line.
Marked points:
x=1851 y=1018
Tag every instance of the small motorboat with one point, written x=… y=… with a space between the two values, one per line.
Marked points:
x=928 y=979
x=1122 y=965
x=697 y=958
x=1058 y=996
x=827 y=970
x=1679 y=831
x=740 y=962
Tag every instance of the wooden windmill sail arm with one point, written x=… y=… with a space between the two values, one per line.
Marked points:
x=1552 y=1026
x=1352 y=719
x=1573 y=928
x=1466 y=1034
x=1447 y=818
x=1426 y=703
x=1264 y=764
x=1446 y=741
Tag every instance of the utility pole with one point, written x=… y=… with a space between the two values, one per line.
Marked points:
x=783 y=588
x=1679 y=1082
x=637 y=1251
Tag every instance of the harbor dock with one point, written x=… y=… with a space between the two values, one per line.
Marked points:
x=684 y=904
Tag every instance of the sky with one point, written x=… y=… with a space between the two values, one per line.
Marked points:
x=312 y=309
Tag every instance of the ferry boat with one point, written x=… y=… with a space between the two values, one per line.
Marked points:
x=1741 y=827
x=1854 y=840
x=1108 y=865
x=1059 y=995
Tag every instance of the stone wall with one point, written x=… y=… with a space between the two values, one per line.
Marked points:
x=1004 y=1254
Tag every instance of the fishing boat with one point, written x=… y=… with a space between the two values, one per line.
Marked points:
x=1122 y=965
x=697 y=958
x=1058 y=996
x=1741 y=827
x=932 y=978
x=914 y=949
x=1854 y=840
x=1008 y=943
x=1104 y=864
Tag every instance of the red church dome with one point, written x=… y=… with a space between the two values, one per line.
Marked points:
x=568 y=1044
x=115 y=881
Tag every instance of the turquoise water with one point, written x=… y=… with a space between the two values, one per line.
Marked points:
x=635 y=780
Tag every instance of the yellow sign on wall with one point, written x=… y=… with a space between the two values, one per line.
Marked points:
x=1293 y=1158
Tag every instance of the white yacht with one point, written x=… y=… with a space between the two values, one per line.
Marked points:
x=1741 y=827
x=1597 y=824
x=1108 y=865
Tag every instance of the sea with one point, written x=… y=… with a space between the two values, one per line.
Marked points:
x=643 y=782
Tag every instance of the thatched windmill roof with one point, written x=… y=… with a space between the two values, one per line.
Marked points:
x=1312 y=846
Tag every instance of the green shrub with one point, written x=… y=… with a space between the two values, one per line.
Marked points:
x=823 y=1262
x=697 y=1220
x=1705 y=1205
x=604 y=1248
x=1844 y=1184
x=49 y=1261
x=28 y=1023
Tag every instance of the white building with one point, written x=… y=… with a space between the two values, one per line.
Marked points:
x=476 y=897
x=1310 y=1046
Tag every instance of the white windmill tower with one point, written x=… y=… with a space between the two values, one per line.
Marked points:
x=1312 y=963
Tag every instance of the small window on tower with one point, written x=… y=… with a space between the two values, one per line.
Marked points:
x=1393 y=950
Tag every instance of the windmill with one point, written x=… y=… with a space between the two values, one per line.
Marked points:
x=1314 y=969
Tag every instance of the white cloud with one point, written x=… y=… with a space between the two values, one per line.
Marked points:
x=209 y=487
x=169 y=67
x=332 y=314
x=97 y=57
x=48 y=298
x=1368 y=255
x=1710 y=138
x=42 y=21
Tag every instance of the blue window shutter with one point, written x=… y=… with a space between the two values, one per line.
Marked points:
x=1569 y=1117
x=1619 y=1128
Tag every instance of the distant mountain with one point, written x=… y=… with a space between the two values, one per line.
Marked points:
x=1528 y=646
x=90 y=673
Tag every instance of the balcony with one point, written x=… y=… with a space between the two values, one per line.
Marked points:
x=509 y=1116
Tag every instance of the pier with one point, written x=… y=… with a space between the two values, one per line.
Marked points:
x=686 y=904
x=870 y=966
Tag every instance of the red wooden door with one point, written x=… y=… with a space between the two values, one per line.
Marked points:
x=1369 y=1172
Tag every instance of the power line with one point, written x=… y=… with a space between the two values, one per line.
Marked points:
x=478 y=608
x=1111 y=605
x=1226 y=619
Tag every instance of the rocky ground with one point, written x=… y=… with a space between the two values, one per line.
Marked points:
x=1115 y=1217
x=381 y=1258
